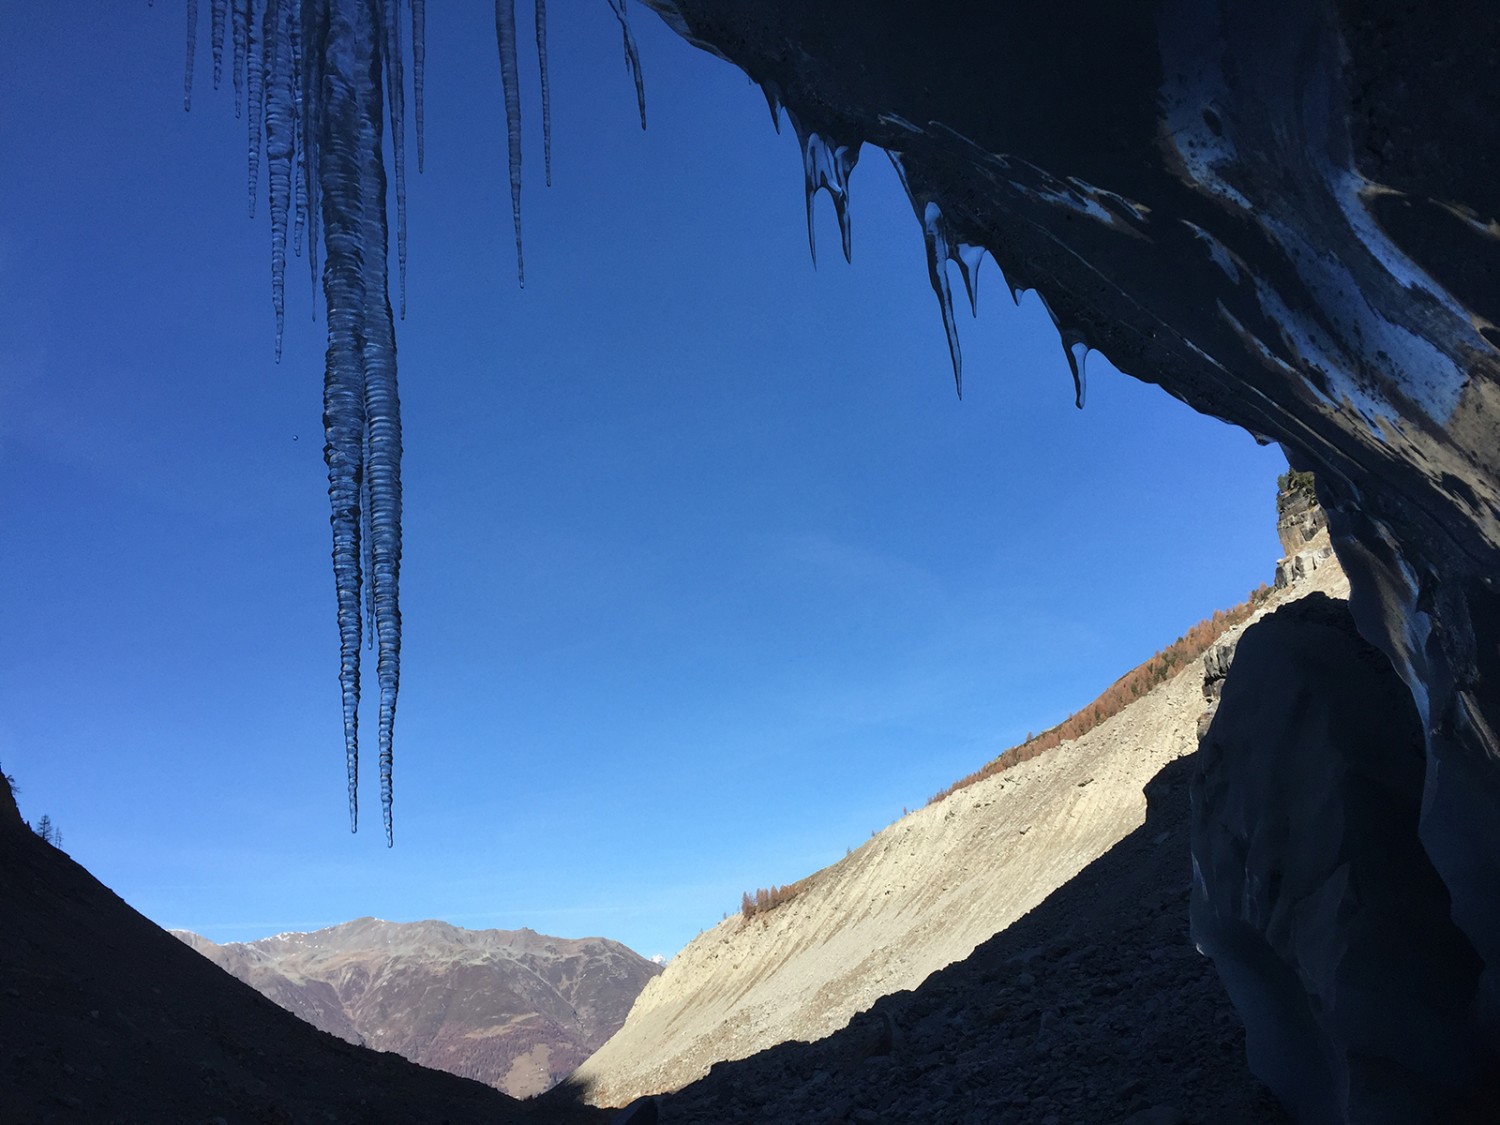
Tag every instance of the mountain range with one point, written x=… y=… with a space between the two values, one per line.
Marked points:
x=513 y=1009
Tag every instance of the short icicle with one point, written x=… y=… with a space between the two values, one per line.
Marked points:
x=826 y=166
x=1075 y=349
x=970 y=258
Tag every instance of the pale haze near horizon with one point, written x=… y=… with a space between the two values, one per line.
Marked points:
x=708 y=573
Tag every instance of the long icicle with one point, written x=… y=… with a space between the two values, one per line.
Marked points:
x=541 y=57
x=299 y=139
x=255 y=80
x=240 y=26
x=632 y=56
x=314 y=40
x=344 y=374
x=382 y=471
x=395 y=81
x=505 y=38
x=935 y=238
x=281 y=144
x=192 y=49
x=216 y=26
x=418 y=70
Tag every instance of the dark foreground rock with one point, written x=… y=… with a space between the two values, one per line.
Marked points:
x=1093 y=1008
x=1315 y=897
x=105 y=1019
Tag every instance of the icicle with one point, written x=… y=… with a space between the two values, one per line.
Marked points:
x=970 y=257
x=367 y=538
x=541 y=57
x=216 y=23
x=826 y=166
x=632 y=56
x=299 y=141
x=342 y=134
x=773 y=100
x=255 y=76
x=935 y=237
x=937 y=272
x=1078 y=354
x=281 y=144
x=1075 y=349
x=192 y=49
x=314 y=49
x=395 y=82
x=505 y=37
x=418 y=67
x=240 y=25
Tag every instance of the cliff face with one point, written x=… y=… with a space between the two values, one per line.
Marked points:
x=919 y=896
x=1285 y=214
x=511 y=1008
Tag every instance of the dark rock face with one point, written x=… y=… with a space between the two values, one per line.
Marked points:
x=1313 y=894
x=511 y=1008
x=1285 y=213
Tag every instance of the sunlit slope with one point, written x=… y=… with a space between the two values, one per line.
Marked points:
x=918 y=896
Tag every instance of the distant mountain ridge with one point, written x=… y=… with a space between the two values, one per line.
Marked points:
x=515 y=1009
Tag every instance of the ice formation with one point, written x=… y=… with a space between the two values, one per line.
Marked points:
x=317 y=79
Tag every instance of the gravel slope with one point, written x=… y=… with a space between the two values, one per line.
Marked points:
x=919 y=896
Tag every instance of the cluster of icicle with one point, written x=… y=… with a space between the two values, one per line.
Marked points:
x=316 y=79
x=827 y=164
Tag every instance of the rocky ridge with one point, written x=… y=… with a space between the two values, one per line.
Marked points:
x=514 y=1009
x=921 y=895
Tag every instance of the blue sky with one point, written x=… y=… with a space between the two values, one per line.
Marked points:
x=707 y=574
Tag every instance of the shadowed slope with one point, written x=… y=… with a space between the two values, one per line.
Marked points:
x=1092 y=1007
x=106 y=1018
